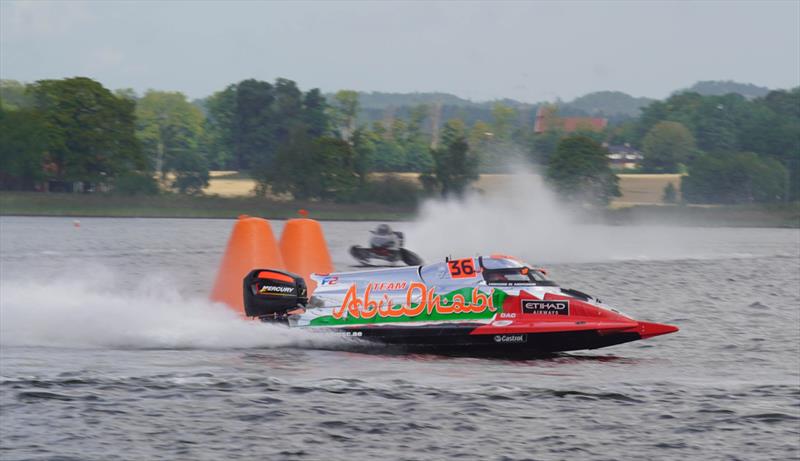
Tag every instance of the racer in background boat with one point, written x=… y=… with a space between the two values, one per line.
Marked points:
x=384 y=237
x=387 y=245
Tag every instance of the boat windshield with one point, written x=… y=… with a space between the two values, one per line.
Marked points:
x=500 y=263
x=504 y=271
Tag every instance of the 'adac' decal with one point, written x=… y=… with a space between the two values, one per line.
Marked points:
x=429 y=303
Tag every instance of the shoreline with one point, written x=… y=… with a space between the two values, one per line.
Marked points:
x=184 y=207
x=278 y=218
x=32 y=204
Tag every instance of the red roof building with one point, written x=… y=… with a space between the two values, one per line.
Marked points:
x=546 y=119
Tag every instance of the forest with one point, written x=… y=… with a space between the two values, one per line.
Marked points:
x=733 y=143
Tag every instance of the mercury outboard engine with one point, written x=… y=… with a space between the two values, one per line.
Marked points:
x=269 y=294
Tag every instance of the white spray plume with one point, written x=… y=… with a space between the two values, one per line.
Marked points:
x=521 y=216
x=105 y=311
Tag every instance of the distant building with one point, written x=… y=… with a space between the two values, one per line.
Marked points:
x=546 y=119
x=623 y=157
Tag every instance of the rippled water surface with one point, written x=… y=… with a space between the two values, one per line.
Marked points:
x=110 y=350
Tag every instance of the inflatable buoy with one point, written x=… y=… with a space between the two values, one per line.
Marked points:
x=304 y=250
x=251 y=244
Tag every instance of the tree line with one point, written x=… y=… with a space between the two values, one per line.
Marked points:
x=304 y=144
x=733 y=149
x=75 y=131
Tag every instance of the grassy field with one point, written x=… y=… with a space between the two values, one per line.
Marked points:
x=640 y=203
x=645 y=189
x=637 y=189
x=176 y=206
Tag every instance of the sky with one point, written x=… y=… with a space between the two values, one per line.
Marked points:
x=529 y=51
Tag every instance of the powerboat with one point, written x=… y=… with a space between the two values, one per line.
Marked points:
x=493 y=305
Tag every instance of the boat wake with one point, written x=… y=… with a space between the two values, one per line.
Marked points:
x=108 y=311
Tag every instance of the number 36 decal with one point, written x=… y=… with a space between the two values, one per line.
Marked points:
x=461 y=268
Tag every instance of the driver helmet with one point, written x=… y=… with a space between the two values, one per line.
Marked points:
x=383 y=229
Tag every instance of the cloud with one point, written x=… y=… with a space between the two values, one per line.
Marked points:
x=43 y=19
x=104 y=58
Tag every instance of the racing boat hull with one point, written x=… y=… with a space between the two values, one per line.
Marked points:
x=476 y=306
x=477 y=339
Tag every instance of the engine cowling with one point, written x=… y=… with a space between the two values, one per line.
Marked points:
x=270 y=292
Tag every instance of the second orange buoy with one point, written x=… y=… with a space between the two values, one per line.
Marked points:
x=304 y=250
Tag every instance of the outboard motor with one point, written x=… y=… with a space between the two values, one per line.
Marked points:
x=269 y=293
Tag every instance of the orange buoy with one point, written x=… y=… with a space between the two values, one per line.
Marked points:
x=304 y=249
x=251 y=246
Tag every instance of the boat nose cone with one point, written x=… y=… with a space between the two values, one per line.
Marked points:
x=648 y=329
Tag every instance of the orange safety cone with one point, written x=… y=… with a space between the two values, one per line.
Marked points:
x=304 y=249
x=251 y=246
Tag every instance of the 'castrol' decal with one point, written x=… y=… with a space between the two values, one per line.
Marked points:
x=511 y=339
x=429 y=303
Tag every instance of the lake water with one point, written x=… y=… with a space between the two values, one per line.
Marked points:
x=109 y=349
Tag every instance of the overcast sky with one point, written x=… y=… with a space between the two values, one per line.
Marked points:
x=530 y=51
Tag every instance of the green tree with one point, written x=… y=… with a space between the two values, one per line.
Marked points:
x=295 y=119
x=389 y=154
x=253 y=126
x=579 y=171
x=322 y=168
x=666 y=146
x=22 y=150
x=315 y=113
x=170 y=129
x=774 y=130
x=364 y=155
x=480 y=142
x=502 y=121
x=670 y=194
x=724 y=124
x=624 y=133
x=677 y=108
x=416 y=143
x=455 y=167
x=345 y=112
x=264 y=125
x=218 y=142
x=734 y=178
x=288 y=111
x=191 y=172
x=715 y=122
x=136 y=183
x=391 y=189
x=91 y=132
x=543 y=145
x=13 y=95
x=126 y=93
